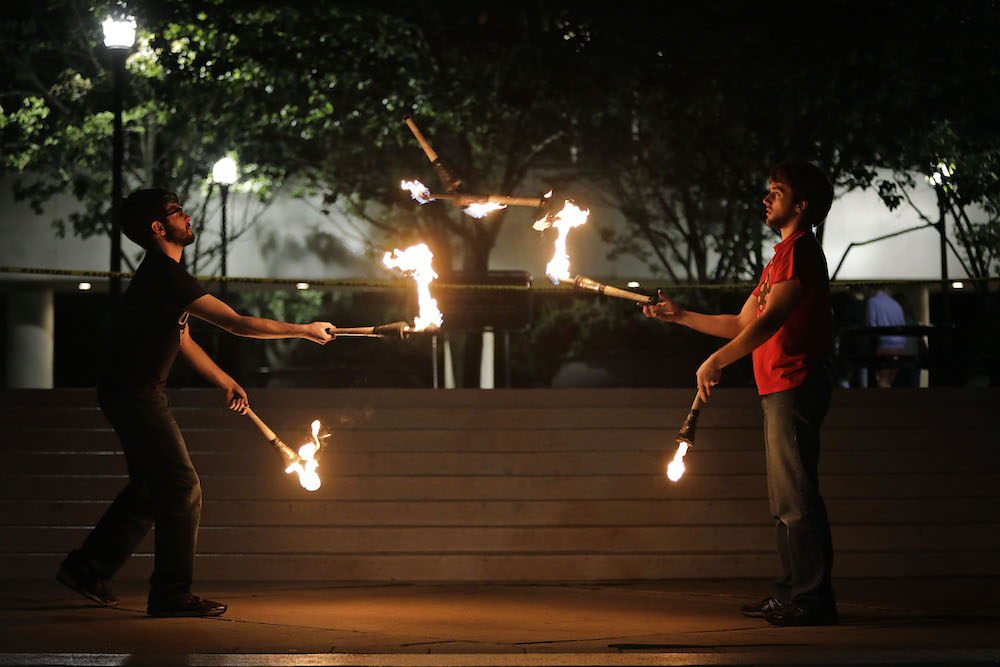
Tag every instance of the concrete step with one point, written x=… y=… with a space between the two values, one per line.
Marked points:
x=518 y=485
x=601 y=512
x=936 y=398
x=292 y=540
x=262 y=461
x=337 y=419
x=531 y=567
x=288 y=420
x=695 y=485
x=901 y=438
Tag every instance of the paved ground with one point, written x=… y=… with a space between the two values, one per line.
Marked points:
x=697 y=622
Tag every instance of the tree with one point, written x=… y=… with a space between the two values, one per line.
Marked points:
x=57 y=123
x=703 y=114
x=944 y=129
x=310 y=94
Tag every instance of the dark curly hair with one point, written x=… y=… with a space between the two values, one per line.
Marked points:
x=808 y=184
x=140 y=209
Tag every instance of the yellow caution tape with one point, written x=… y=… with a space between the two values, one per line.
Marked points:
x=407 y=284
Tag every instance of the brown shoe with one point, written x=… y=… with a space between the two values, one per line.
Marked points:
x=96 y=590
x=192 y=606
x=760 y=609
x=800 y=614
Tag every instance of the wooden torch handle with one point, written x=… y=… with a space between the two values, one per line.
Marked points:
x=353 y=331
x=431 y=155
x=268 y=433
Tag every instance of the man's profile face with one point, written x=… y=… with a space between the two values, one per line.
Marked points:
x=177 y=225
x=779 y=206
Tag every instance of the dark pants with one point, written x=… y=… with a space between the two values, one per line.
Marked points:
x=163 y=489
x=792 y=421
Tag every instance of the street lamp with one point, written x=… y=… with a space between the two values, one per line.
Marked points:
x=119 y=33
x=224 y=173
x=119 y=36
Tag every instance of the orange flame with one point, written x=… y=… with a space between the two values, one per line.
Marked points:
x=415 y=261
x=569 y=217
x=675 y=469
x=417 y=190
x=308 y=477
x=482 y=209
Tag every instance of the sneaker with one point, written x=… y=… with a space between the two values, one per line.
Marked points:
x=192 y=606
x=800 y=614
x=760 y=609
x=96 y=590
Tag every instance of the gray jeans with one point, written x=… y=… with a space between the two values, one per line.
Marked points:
x=163 y=488
x=792 y=421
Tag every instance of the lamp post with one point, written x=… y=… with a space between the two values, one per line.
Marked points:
x=119 y=36
x=224 y=173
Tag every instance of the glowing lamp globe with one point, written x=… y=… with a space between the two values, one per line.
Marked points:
x=119 y=33
x=224 y=171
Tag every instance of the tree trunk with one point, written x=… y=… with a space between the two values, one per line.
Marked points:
x=475 y=262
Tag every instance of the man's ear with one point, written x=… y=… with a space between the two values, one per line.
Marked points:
x=158 y=228
x=801 y=206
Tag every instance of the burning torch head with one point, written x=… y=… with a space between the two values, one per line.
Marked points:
x=288 y=454
x=686 y=434
x=449 y=179
x=550 y=209
x=395 y=330
x=685 y=438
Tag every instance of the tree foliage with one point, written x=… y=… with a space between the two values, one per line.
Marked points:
x=178 y=116
x=675 y=117
x=314 y=93
x=702 y=114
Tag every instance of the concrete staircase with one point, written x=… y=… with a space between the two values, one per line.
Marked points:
x=517 y=485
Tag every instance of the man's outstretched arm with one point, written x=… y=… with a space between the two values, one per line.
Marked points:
x=217 y=312
x=724 y=326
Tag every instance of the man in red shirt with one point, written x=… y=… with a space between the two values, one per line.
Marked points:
x=786 y=325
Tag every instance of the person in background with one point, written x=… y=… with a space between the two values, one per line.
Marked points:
x=913 y=346
x=884 y=311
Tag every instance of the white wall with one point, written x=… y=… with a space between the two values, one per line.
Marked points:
x=29 y=240
x=860 y=215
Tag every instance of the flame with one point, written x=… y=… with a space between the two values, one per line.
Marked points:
x=416 y=261
x=308 y=477
x=569 y=217
x=675 y=469
x=417 y=190
x=482 y=209
x=547 y=194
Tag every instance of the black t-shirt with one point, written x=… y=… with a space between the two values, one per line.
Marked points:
x=151 y=321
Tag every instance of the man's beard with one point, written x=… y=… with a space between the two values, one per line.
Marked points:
x=776 y=223
x=181 y=237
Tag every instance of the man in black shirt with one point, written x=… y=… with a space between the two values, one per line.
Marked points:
x=163 y=486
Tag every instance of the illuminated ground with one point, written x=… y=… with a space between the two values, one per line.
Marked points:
x=903 y=621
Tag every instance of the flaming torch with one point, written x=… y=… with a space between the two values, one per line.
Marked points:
x=477 y=206
x=418 y=191
x=569 y=217
x=558 y=269
x=304 y=462
x=448 y=178
x=685 y=440
x=416 y=262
